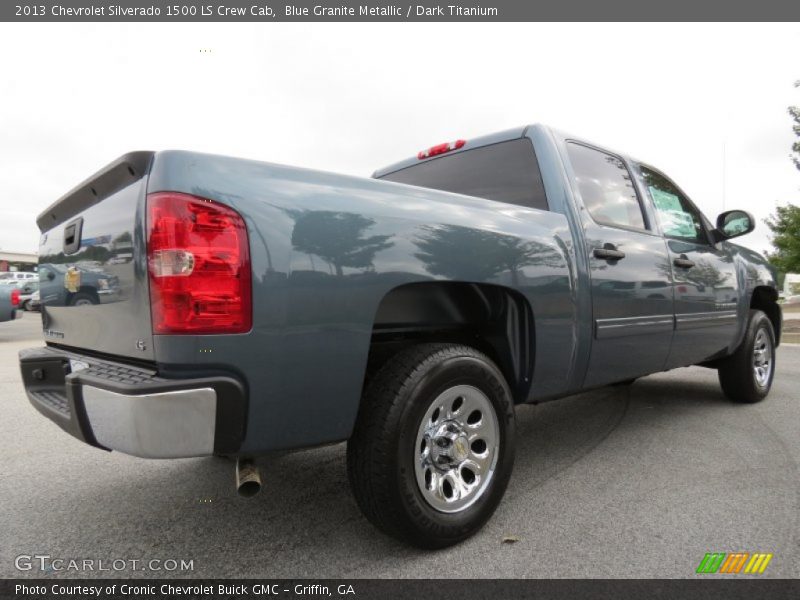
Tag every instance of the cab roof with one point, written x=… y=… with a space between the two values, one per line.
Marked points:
x=470 y=144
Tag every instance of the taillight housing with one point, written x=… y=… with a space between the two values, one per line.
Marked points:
x=198 y=261
x=15 y=297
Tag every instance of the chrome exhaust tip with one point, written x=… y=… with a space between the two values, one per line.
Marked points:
x=248 y=478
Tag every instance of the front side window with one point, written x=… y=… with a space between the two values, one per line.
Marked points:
x=606 y=187
x=678 y=217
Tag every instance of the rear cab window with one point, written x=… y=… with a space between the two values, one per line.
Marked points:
x=505 y=172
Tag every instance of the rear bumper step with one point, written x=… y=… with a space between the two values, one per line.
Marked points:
x=133 y=410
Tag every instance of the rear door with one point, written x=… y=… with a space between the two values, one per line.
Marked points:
x=631 y=281
x=705 y=281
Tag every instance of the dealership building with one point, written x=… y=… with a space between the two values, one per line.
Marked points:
x=18 y=261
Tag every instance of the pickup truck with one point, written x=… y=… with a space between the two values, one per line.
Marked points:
x=263 y=308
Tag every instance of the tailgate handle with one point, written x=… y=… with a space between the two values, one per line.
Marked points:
x=72 y=236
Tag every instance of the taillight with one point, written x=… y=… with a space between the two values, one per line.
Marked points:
x=441 y=149
x=15 y=297
x=199 y=264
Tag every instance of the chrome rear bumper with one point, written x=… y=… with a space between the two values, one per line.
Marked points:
x=160 y=425
x=132 y=409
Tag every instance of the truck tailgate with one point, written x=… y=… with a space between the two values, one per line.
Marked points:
x=92 y=263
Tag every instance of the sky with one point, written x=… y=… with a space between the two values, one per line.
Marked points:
x=706 y=103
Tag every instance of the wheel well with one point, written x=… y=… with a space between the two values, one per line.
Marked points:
x=766 y=299
x=492 y=319
x=86 y=290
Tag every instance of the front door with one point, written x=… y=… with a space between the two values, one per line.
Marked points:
x=704 y=276
x=632 y=292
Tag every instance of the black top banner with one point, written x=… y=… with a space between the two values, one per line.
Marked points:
x=386 y=10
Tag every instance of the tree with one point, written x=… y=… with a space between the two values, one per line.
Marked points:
x=785 y=223
x=785 y=227
x=794 y=111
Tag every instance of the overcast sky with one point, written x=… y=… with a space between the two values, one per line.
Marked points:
x=351 y=98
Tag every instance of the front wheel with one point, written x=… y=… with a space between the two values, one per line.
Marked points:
x=746 y=375
x=433 y=446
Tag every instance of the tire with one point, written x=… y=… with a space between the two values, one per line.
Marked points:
x=739 y=376
x=82 y=299
x=26 y=306
x=404 y=453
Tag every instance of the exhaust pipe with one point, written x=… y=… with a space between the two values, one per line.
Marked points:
x=248 y=478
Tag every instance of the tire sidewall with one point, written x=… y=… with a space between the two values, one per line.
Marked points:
x=464 y=370
x=758 y=323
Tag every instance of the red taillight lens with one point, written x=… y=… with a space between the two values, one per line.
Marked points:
x=15 y=297
x=199 y=264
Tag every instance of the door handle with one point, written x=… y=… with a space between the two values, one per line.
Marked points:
x=609 y=252
x=683 y=262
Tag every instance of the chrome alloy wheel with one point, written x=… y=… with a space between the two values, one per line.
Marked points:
x=762 y=358
x=458 y=442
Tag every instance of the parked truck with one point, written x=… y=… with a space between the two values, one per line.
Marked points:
x=267 y=308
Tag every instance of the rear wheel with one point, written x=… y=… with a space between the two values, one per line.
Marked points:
x=432 y=450
x=746 y=376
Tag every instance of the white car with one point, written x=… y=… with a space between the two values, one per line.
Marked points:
x=34 y=303
x=18 y=277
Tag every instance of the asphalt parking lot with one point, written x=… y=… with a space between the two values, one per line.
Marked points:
x=621 y=482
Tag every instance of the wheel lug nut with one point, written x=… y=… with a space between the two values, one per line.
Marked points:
x=443 y=442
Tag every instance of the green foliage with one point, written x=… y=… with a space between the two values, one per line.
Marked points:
x=785 y=223
x=785 y=227
x=794 y=111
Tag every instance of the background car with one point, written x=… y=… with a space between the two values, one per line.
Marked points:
x=27 y=290
x=34 y=304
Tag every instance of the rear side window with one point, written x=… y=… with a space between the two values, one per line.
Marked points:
x=606 y=187
x=505 y=172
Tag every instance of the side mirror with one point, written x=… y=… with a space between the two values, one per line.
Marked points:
x=734 y=223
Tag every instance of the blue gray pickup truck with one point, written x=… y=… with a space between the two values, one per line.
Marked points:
x=249 y=308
